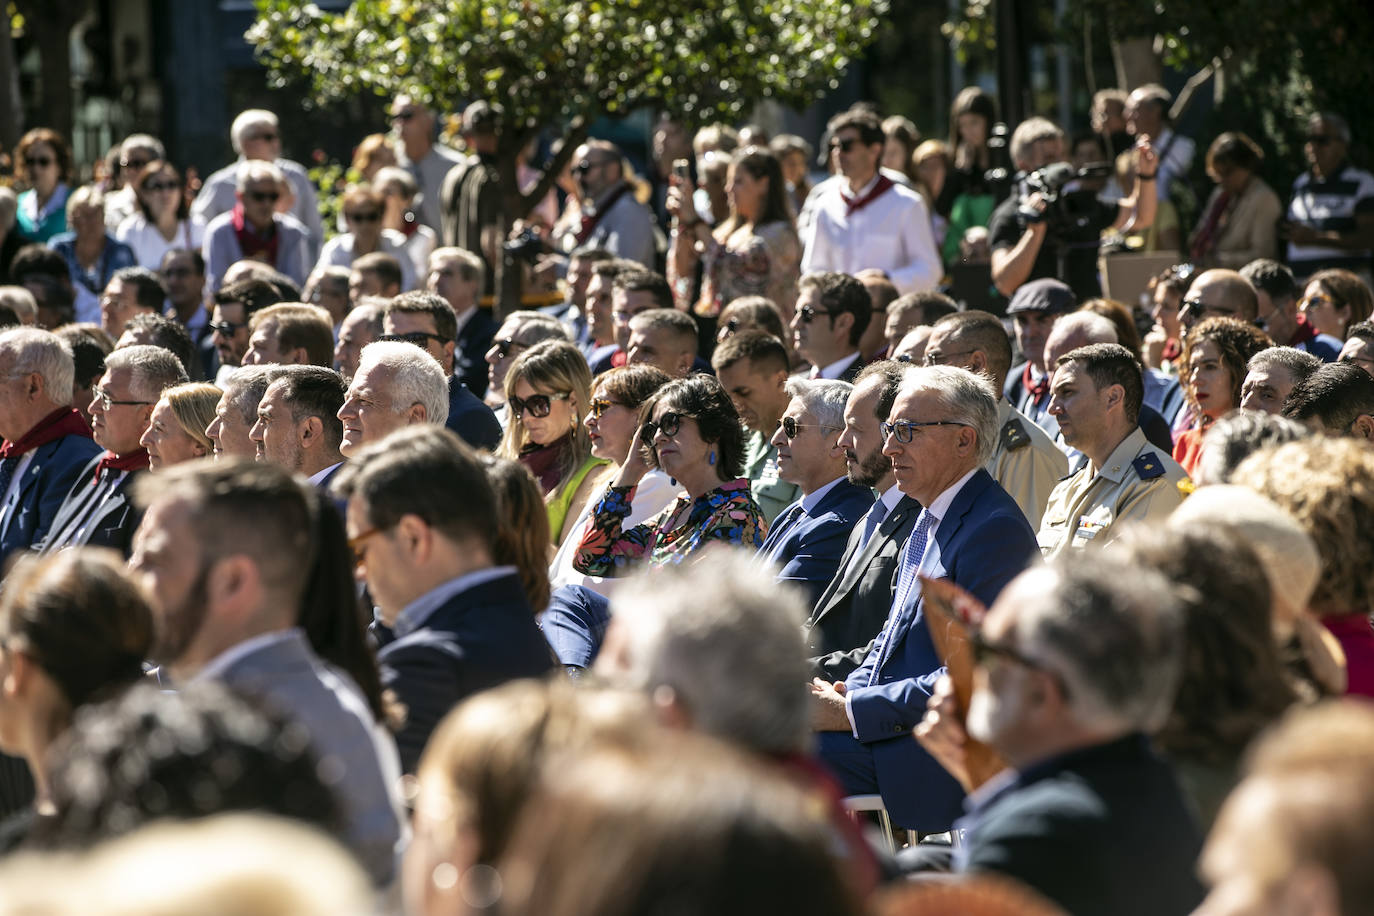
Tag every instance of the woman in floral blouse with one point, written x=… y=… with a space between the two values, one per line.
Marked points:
x=753 y=252
x=692 y=432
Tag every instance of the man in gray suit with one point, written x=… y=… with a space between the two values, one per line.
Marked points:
x=853 y=607
x=224 y=550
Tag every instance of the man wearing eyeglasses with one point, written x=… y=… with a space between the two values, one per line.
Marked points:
x=427 y=321
x=611 y=217
x=867 y=220
x=1331 y=213
x=942 y=431
x=254 y=229
x=97 y=511
x=457 y=277
x=808 y=538
x=1278 y=315
x=1096 y=397
x=412 y=123
x=256 y=135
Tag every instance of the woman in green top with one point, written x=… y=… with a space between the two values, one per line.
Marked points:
x=548 y=389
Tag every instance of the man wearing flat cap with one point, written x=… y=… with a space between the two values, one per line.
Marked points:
x=1034 y=308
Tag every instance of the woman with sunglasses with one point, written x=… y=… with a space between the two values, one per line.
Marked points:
x=613 y=427
x=363 y=210
x=547 y=388
x=1163 y=345
x=1215 y=354
x=692 y=432
x=43 y=165
x=163 y=220
x=753 y=252
x=399 y=190
x=1333 y=301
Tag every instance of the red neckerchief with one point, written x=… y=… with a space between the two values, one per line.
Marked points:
x=1305 y=333
x=591 y=220
x=618 y=358
x=1172 y=350
x=134 y=461
x=1206 y=238
x=1037 y=389
x=409 y=225
x=853 y=205
x=64 y=421
x=251 y=243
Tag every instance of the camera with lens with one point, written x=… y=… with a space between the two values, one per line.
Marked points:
x=527 y=246
x=1069 y=208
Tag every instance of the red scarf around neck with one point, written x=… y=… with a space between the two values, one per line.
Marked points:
x=853 y=205
x=1036 y=389
x=134 y=461
x=591 y=220
x=1305 y=333
x=252 y=243
x=64 y=421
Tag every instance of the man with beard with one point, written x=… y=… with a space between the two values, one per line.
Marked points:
x=752 y=365
x=851 y=610
x=224 y=553
x=809 y=536
x=1076 y=663
x=234 y=305
x=297 y=424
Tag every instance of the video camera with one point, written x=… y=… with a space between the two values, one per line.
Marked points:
x=1068 y=208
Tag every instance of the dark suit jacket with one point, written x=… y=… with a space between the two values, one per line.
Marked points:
x=1104 y=829
x=112 y=523
x=42 y=490
x=853 y=607
x=809 y=551
x=472 y=420
x=481 y=637
x=983 y=543
x=470 y=354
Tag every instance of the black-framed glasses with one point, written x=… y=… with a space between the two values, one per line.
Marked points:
x=225 y=328
x=414 y=337
x=1195 y=306
x=102 y=397
x=263 y=197
x=938 y=358
x=601 y=405
x=790 y=427
x=984 y=650
x=808 y=314
x=538 y=405
x=668 y=424
x=902 y=429
x=844 y=145
x=364 y=216
x=505 y=345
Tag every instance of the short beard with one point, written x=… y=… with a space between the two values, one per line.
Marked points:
x=874 y=466
x=178 y=627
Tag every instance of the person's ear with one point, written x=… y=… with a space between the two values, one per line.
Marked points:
x=844 y=321
x=979 y=361
x=298 y=357
x=415 y=536
x=416 y=414
x=309 y=431
x=1363 y=427
x=968 y=440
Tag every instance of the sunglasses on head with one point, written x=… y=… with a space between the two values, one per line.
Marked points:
x=263 y=196
x=538 y=405
x=808 y=314
x=363 y=216
x=843 y=146
x=668 y=424
x=790 y=427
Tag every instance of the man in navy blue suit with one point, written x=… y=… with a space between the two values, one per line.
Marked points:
x=421 y=519
x=942 y=430
x=808 y=538
x=428 y=321
x=47 y=442
x=457 y=276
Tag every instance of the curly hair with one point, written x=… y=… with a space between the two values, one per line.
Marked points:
x=1327 y=484
x=703 y=399
x=1236 y=341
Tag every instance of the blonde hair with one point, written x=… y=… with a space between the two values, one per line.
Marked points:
x=551 y=366
x=193 y=404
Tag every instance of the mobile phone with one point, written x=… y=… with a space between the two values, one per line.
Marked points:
x=682 y=169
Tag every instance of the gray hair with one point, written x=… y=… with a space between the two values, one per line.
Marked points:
x=1336 y=122
x=153 y=369
x=1095 y=328
x=1298 y=363
x=88 y=195
x=47 y=354
x=825 y=399
x=469 y=265
x=142 y=141
x=245 y=386
x=536 y=327
x=965 y=396
x=246 y=121
x=1030 y=132
x=258 y=170
x=20 y=300
x=393 y=174
x=416 y=377
x=1238 y=435
x=1113 y=630
x=724 y=635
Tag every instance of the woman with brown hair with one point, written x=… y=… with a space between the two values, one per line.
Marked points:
x=43 y=165
x=1333 y=301
x=1240 y=220
x=522 y=540
x=163 y=220
x=1215 y=353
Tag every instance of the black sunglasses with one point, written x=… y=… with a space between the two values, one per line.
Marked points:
x=366 y=216
x=263 y=196
x=225 y=328
x=538 y=405
x=732 y=325
x=585 y=166
x=404 y=115
x=790 y=427
x=153 y=187
x=504 y=346
x=668 y=424
x=843 y=146
x=38 y=162
x=808 y=314
x=133 y=163
x=414 y=337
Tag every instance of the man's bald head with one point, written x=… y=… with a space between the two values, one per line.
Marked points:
x=1077 y=329
x=1219 y=293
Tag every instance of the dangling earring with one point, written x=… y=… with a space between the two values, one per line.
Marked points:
x=711 y=458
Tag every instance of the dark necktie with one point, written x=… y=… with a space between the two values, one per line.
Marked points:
x=7 y=467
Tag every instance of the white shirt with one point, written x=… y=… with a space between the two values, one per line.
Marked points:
x=891 y=233
x=148 y=244
x=12 y=492
x=837 y=368
x=338 y=252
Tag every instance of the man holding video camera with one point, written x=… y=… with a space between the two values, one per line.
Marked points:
x=1050 y=228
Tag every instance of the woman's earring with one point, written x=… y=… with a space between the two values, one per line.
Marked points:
x=711 y=458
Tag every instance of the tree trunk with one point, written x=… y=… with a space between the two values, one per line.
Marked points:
x=11 y=108
x=51 y=22
x=1136 y=62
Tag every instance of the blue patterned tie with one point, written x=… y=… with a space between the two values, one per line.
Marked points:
x=784 y=523
x=7 y=467
x=906 y=583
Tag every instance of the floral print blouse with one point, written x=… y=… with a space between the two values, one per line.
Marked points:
x=727 y=513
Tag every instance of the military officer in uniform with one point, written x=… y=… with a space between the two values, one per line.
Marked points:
x=1096 y=395
x=1026 y=463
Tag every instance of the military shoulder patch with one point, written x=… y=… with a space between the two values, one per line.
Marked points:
x=1014 y=435
x=1148 y=467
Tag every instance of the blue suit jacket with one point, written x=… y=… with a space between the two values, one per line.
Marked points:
x=470 y=354
x=809 y=551
x=42 y=490
x=983 y=542
x=472 y=420
x=480 y=638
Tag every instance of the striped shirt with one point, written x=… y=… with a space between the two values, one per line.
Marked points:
x=1327 y=204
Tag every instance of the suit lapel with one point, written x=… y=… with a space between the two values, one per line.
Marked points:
x=82 y=492
x=854 y=566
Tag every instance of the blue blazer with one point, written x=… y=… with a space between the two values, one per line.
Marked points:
x=480 y=638
x=983 y=542
x=809 y=551
x=472 y=420
x=42 y=490
x=470 y=354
